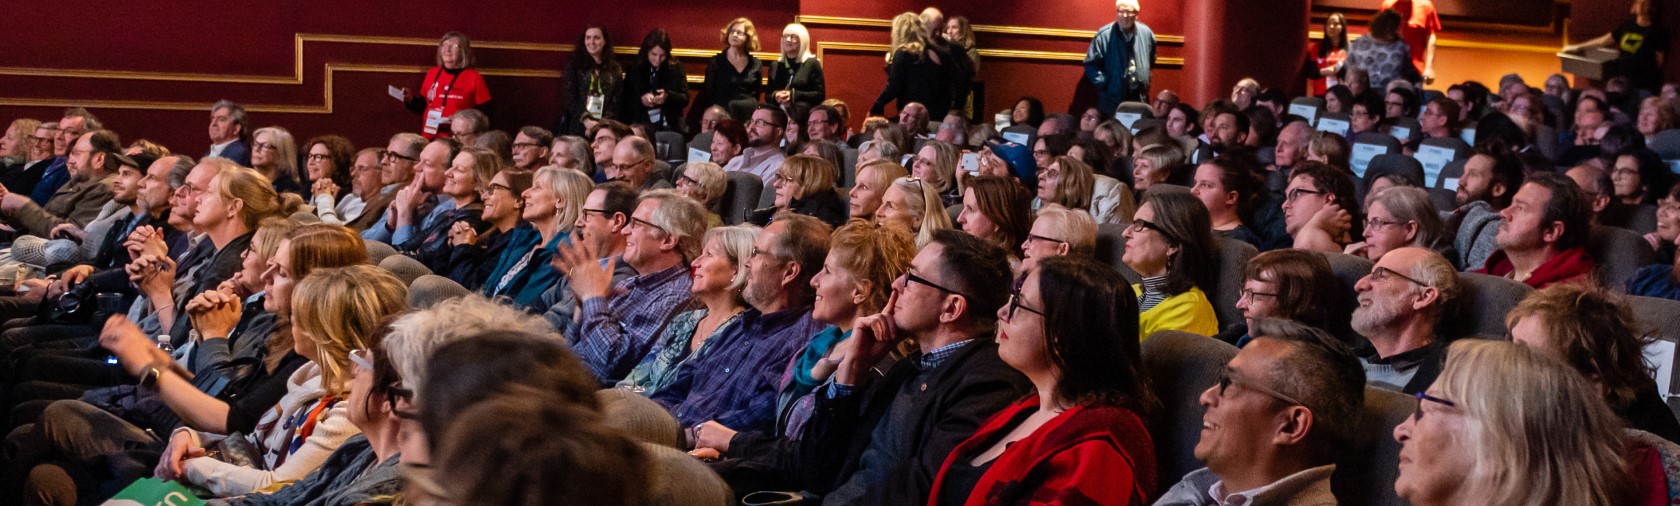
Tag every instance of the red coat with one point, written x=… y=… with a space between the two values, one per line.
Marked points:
x=1089 y=454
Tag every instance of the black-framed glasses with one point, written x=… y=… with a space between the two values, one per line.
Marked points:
x=1015 y=298
x=1036 y=237
x=913 y=278
x=1226 y=379
x=684 y=179
x=1141 y=225
x=1382 y=273
x=317 y=157
x=648 y=224
x=603 y=212
x=1417 y=415
x=1251 y=294
x=1298 y=192
x=387 y=155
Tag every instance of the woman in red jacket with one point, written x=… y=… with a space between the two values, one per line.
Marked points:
x=450 y=86
x=1081 y=435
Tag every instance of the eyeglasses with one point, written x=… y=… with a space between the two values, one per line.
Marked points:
x=1226 y=379
x=317 y=157
x=263 y=146
x=1036 y=237
x=648 y=224
x=1141 y=225
x=523 y=145
x=1376 y=223
x=1015 y=300
x=1382 y=273
x=603 y=212
x=388 y=155
x=40 y=140
x=1298 y=192
x=686 y=180
x=913 y=278
x=1251 y=294
x=1417 y=415
x=1395 y=104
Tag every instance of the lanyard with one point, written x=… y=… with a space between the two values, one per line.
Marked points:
x=446 y=89
x=595 y=82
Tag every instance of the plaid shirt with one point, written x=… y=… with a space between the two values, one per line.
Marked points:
x=618 y=330
x=736 y=383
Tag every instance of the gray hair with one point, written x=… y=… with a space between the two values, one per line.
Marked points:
x=414 y=336
x=680 y=216
x=236 y=112
x=709 y=177
x=736 y=243
x=412 y=143
x=1411 y=204
x=178 y=173
x=479 y=121
x=285 y=148
x=1435 y=271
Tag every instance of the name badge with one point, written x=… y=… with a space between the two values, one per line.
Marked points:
x=596 y=104
x=434 y=117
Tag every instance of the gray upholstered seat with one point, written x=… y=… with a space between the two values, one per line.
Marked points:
x=1179 y=366
x=1365 y=475
x=740 y=195
x=1482 y=303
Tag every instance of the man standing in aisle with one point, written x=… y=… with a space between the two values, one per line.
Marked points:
x=1120 y=57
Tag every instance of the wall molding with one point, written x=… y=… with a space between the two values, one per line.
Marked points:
x=1054 y=33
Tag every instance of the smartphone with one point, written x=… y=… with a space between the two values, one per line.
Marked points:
x=971 y=163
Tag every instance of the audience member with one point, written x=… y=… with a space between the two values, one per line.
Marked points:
x=1170 y=245
x=936 y=164
x=1228 y=189
x=761 y=155
x=1289 y=284
x=439 y=100
x=805 y=185
x=415 y=205
x=656 y=87
x=468 y=126
x=472 y=253
x=1543 y=237
x=873 y=180
x=464 y=183
x=229 y=131
x=997 y=210
x=91 y=164
x=913 y=205
x=274 y=153
x=1276 y=438
x=531 y=148
x=1319 y=208
x=719 y=277
x=1640 y=176
x=918 y=70
x=1058 y=231
x=1398 y=217
x=1492 y=428
x=1401 y=302
x=1082 y=434
x=554 y=206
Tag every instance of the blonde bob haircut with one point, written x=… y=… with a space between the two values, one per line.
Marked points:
x=945 y=158
x=734 y=243
x=254 y=192
x=1538 y=431
x=709 y=177
x=746 y=26
x=572 y=188
x=486 y=164
x=342 y=309
x=814 y=175
x=923 y=202
x=285 y=149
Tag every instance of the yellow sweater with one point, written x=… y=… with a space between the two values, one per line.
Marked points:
x=1188 y=312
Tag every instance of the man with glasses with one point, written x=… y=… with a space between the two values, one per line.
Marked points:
x=1319 y=208
x=763 y=154
x=1275 y=421
x=1542 y=239
x=823 y=124
x=735 y=384
x=76 y=122
x=879 y=439
x=603 y=142
x=228 y=129
x=531 y=147
x=621 y=319
x=601 y=224
x=1599 y=190
x=416 y=205
x=24 y=176
x=1400 y=304
x=1120 y=57
x=632 y=163
x=466 y=125
x=91 y=165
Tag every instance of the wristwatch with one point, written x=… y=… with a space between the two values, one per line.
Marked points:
x=153 y=372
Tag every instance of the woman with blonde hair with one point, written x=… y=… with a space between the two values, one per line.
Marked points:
x=336 y=311
x=936 y=163
x=720 y=275
x=797 y=78
x=873 y=179
x=552 y=206
x=734 y=77
x=805 y=185
x=914 y=205
x=704 y=182
x=916 y=70
x=274 y=154
x=464 y=183
x=14 y=145
x=1506 y=424
x=1067 y=181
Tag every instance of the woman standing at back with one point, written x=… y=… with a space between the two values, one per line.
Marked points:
x=734 y=77
x=593 y=80
x=916 y=72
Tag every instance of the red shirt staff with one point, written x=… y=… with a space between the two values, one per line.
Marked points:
x=450 y=86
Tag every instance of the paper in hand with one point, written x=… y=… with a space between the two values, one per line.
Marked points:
x=395 y=92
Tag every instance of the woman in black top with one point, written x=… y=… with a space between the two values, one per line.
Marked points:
x=593 y=81
x=1643 y=44
x=916 y=71
x=656 y=88
x=797 y=78
x=733 y=78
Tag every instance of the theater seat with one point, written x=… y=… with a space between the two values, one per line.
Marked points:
x=701 y=142
x=679 y=478
x=1450 y=175
x=1179 y=366
x=1657 y=316
x=1368 y=145
x=1667 y=144
x=1482 y=303
x=740 y=194
x=1444 y=199
x=431 y=289
x=848 y=167
x=1620 y=253
x=1394 y=164
x=405 y=268
x=671 y=145
x=377 y=251
x=1111 y=245
x=1367 y=468
x=1348 y=269
x=1233 y=256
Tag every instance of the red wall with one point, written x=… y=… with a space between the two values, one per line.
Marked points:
x=190 y=53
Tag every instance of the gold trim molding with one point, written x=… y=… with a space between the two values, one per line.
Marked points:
x=1054 y=33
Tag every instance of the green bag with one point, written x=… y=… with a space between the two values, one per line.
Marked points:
x=154 y=492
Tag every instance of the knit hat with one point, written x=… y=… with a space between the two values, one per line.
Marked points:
x=34 y=250
x=1019 y=158
x=431 y=289
x=638 y=416
x=405 y=268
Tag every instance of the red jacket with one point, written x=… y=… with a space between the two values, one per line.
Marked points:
x=1089 y=454
x=1568 y=266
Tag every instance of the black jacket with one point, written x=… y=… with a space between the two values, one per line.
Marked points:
x=915 y=77
x=805 y=79
x=736 y=91
x=643 y=79
x=826 y=206
x=575 y=93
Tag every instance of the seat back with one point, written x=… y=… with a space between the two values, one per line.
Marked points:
x=1619 y=252
x=430 y=289
x=1232 y=256
x=1334 y=122
x=404 y=268
x=669 y=146
x=377 y=251
x=1667 y=144
x=1450 y=175
x=1482 y=303
x=1143 y=123
x=1179 y=366
x=1444 y=199
x=1129 y=112
x=1111 y=245
x=1348 y=269
x=1367 y=146
x=848 y=167
x=701 y=142
x=766 y=198
x=1436 y=153
x=681 y=479
x=1020 y=134
x=1406 y=129
x=1307 y=107
x=1656 y=315
x=1366 y=471
x=1467 y=132
x=740 y=194
x=1393 y=164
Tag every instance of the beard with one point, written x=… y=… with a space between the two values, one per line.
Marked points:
x=761 y=289
x=1367 y=320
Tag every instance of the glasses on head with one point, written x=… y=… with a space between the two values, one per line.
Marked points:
x=1417 y=415
x=1382 y=273
x=913 y=278
x=263 y=146
x=389 y=155
x=1251 y=294
x=1226 y=379
x=1298 y=192
x=317 y=157
x=363 y=358
x=1376 y=223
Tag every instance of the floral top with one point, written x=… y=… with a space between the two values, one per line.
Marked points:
x=658 y=368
